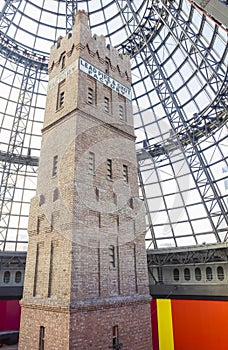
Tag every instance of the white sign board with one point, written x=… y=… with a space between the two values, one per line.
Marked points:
x=63 y=75
x=104 y=78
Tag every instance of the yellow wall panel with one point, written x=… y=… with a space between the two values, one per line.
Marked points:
x=165 y=324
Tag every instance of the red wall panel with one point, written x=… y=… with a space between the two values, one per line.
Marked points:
x=195 y=324
x=200 y=324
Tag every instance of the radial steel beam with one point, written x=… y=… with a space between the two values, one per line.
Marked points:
x=9 y=168
x=19 y=159
x=10 y=48
x=215 y=75
x=71 y=9
x=21 y=56
x=150 y=224
x=8 y=13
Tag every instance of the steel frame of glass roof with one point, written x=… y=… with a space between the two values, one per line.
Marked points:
x=179 y=88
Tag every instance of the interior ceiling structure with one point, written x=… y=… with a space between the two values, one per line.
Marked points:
x=179 y=90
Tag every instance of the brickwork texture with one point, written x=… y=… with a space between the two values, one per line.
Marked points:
x=86 y=271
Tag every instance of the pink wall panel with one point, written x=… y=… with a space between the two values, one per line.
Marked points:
x=9 y=315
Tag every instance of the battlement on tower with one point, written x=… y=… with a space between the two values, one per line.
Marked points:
x=81 y=42
x=87 y=74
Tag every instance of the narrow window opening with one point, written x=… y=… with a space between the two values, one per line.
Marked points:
x=90 y=96
x=38 y=224
x=106 y=105
x=118 y=222
x=54 y=220
x=61 y=99
x=109 y=168
x=106 y=66
x=42 y=334
x=112 y=263
x=91 y=163
x=99 y=219
x=63 y=62
x=114 y=198
x=131 y=203
x=55 y=166
x=42 y=199
x=115 y=338
x=122 y=107
x=125 y=173
x=36 y=271
x=121 y=112
x=55 y=194
x=97 y=192
x=61 y=95
x=50 y=272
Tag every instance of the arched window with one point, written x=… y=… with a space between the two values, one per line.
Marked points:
x=220 y=273
x=18 y=277
x=187 y=275
x=198 y=275
x=176 y=275
x=63 y=61
x=106 y=66
x=6 y=277
x=209 y=274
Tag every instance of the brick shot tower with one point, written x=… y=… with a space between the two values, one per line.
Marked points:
x=86 y=283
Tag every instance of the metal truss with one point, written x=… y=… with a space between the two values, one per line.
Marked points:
x=150 y=223
x=71 y=9
x=8 y=13
x=139 y=30
x=12 y=260
x=19 y=159
x=10 y=48
x=195 y=255
x=20 y=55
x=187 y=131
x=14 y=159
x=163 y=264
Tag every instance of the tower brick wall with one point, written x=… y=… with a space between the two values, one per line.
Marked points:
x=86 y=283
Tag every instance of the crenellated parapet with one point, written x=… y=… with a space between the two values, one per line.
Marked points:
x=80 y=42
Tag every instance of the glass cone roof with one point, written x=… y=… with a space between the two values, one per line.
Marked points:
x=179 y=89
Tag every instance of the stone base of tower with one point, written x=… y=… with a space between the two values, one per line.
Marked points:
x=87 y=325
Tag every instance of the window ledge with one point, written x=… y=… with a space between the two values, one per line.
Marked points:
x=91 y=104
x=108 y=178
x=59 y=109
